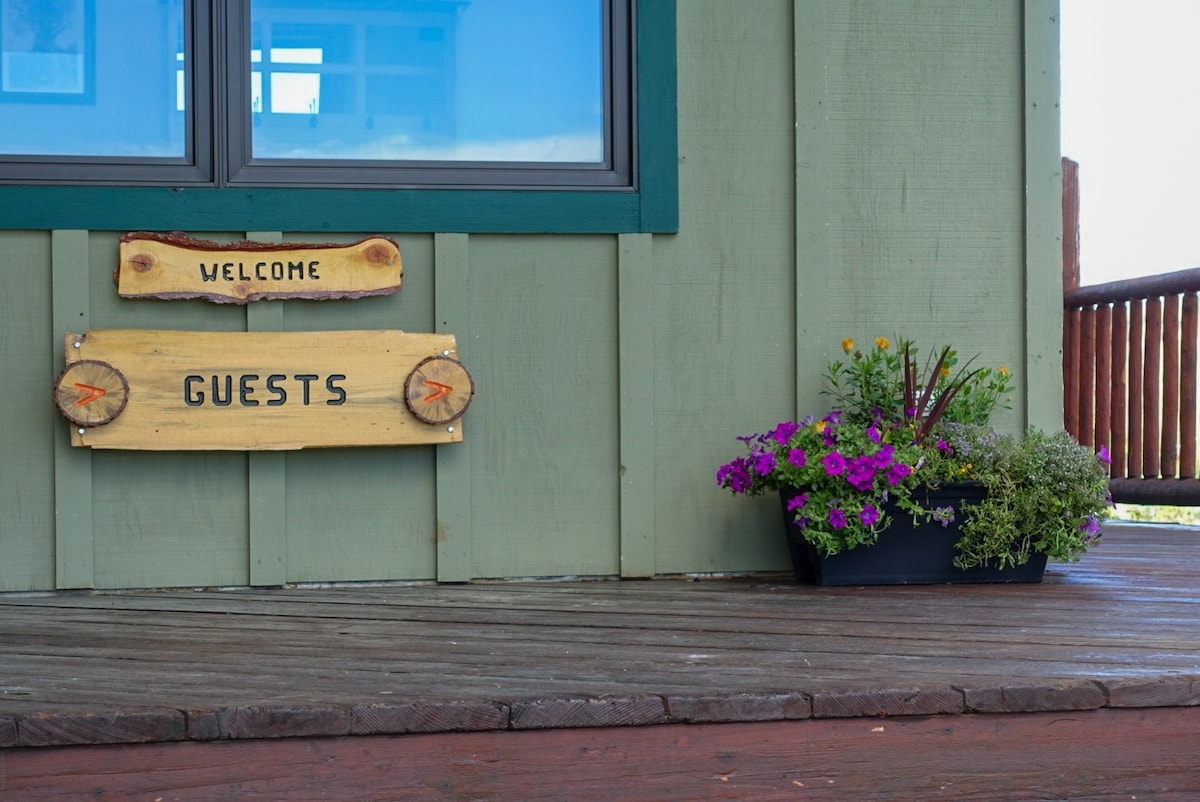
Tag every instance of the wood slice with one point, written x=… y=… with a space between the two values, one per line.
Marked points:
x=439 y=390
x=90 y=392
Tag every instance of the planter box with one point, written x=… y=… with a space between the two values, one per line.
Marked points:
x=906 y=554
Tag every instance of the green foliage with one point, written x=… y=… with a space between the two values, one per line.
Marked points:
x=1045 y=494
x=893 y=385
x=900 y=427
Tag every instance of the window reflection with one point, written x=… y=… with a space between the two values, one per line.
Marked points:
x=428 y=80
x=87 y=78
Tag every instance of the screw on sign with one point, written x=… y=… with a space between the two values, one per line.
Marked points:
x=90 y=392
x=438 y=390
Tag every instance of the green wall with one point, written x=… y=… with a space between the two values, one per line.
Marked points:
x=845 y=169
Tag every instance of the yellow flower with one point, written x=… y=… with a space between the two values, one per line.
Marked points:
x=945 y=371
x=820 y=426
x=848 y=344
x=882 y=343
x=966 y=468
x=1003 y=371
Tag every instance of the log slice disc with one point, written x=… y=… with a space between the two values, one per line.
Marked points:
x=90 y=392
x=438 y=390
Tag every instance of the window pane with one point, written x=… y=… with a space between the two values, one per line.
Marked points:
x=87 y=78
x=436 y=80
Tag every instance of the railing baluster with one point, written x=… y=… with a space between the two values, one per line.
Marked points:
x=1187 y=389
x=1087 y=375
x=1071 y=360
x=1117 y=425
x=1151 y=383
x=1103 y=388
x=1169 y=452
x=1137 y=358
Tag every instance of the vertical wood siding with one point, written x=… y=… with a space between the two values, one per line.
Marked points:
x=28 y=427
x=846 y=169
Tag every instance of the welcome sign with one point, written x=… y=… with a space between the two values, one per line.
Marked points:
x=174 y=266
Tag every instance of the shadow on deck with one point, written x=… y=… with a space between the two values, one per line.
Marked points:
x=1086 y=686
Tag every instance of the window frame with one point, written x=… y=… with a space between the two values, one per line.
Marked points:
x=649 y=204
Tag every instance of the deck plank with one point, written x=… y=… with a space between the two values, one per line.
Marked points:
x=1120 y=625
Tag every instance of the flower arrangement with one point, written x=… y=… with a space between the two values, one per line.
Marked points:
x=900 y=425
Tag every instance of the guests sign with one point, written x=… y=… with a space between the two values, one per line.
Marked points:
x=192 y=390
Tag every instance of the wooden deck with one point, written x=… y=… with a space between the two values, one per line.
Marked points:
x=1086 y=686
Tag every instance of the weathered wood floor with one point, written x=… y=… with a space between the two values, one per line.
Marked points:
x=757 y=689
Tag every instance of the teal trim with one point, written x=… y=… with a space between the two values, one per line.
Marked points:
x=653 y=207
x=658 y=119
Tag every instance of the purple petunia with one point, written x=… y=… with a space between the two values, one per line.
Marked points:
x=797 y=458
x=861 y=473
x=944 y=447
x=784 y=431
x=837 y=518
x=869 y=515
x=735 y=475
x=797 y=502
x=1091 y=527
x=883 y=457
x=873 y=434
x=835 y=463
x=764 y=463
x=1104 y=455
x=897 y=473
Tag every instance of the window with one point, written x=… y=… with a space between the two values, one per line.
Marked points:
x=427 y=96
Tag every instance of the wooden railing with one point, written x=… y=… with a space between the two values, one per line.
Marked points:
x=1130 y=381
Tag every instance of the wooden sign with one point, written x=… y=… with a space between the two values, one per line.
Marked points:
x=249 y=391
x=178 y=266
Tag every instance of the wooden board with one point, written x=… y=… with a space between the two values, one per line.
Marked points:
x=190 y=390
x=178 y=266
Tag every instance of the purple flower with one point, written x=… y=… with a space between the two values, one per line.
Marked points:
x=734 y=475
x=837 y=518
x=873 y=434
x=944 y=516
x=944 y=447
x=1090 y=527
x=833 y=418
x=861 y=473
x=764 y=463
x=828 y=437
x=1104 y=456
x=797 y=502
x=869 y=515
x=797 y=458
x=835 y=463
x=897 y=473
x=784 y=431
x=883 y=457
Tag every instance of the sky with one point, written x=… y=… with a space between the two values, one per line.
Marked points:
x=1131 y=118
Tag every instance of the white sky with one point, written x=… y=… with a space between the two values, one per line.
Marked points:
x=1131 y=118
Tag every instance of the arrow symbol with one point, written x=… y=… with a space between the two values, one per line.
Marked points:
x=91 y=393
x=442 y=391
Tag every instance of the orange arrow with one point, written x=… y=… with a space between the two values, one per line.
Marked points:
x=443 y=390
x=92 y=393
